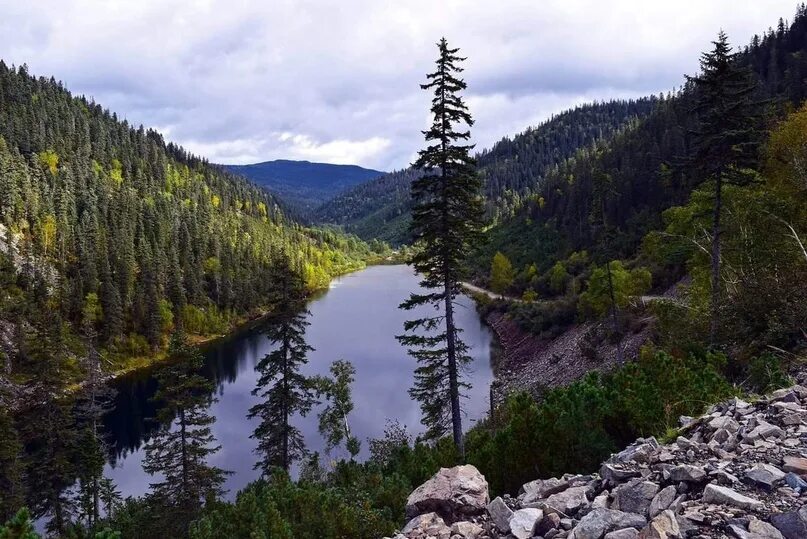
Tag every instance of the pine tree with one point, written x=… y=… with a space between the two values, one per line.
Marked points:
x=283 y=389
x=725 y=142
x=184 y=441
x=446 y=218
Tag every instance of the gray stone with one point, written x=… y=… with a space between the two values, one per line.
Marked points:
x=523 y=522
x=664 y=526
x=688 y=473
x=451 y=493
x=724 y=422
x=500 y=514
x=624 y=533
x=724 y=495
x=468 y=530
x=428 y=524
x=762 y=530
x=795 y=464
x=615 y=475
x=541 y=488
x=764 y=430
x=634 y=497
x=792 y=525
x=661 y=501
x=765 y=475
x=640 y=451
x=568 y=501
x=601 y=521
x=549 y=522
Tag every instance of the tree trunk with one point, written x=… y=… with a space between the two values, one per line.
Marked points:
x=453 y=375
x=614 y=313
x=715 y=299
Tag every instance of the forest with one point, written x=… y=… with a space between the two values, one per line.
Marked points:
x=117 y=246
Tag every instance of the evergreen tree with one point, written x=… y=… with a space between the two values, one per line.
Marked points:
x=284 y=390
x=180 y=448
x=446 y=218
x=725 y=141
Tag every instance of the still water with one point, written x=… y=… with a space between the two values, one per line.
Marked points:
x=357 y=320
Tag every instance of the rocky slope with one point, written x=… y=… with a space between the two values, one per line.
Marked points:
x=736 y=472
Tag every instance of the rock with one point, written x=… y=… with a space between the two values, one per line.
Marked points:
x=616 y=475
x=796 y=465
x=764 y=430
x=624 y=533
x=795 y=482
x=601 y=521
x=664 y=526
x=759 y=529
x=500 y=514
x=765 y=475
x=661 y=501
x=451 y=493
x=568 y=501
x=688 y=473
x=724 y=422
x=549 y=522
x=640 y=451
x=469 y=530
x=541 y=488
x=724 y=495
x=524 y=521
x=684 y=443
x=427 y=524
x=635 y=497
x=792 y=525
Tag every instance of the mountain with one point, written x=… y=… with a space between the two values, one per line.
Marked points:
x=110 y=229
x=639 y=172
x=512 y=169
x=304 y=185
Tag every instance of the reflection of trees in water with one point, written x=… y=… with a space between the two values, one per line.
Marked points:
x=177 y=453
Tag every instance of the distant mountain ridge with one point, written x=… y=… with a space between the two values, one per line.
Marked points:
x=304 y=185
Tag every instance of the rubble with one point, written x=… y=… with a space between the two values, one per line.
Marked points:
x=739 y=471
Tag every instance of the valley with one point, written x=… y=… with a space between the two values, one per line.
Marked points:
x=302 y=349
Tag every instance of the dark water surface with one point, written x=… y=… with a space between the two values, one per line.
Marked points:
x=357 y=320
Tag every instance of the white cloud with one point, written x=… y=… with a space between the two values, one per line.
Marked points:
x=226 y=78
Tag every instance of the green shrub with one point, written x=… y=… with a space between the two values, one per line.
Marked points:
x=765 y=373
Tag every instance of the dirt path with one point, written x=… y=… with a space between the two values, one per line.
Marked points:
x=489 y=293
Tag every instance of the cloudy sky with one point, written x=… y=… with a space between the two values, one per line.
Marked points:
x=337 y=81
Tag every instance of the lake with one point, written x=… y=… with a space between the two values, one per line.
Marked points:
x=356 y=319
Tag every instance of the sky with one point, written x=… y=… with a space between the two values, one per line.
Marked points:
x=338 y=81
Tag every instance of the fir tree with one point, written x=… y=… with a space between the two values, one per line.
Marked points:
x=283 y=389
x=725 y=141
x=446 y=218
x=184 y=441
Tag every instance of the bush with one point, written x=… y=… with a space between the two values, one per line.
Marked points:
x=765 y=373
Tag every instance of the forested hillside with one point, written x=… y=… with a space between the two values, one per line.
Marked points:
x=512 y=169
x=304 y=185
x=629 y=180
x=110 y=229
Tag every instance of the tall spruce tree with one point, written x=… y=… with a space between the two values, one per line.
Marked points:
x=725 y=142
x=446 y=219
x=284 y=390
x=180 y=448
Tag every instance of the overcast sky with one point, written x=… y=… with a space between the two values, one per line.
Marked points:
x=240 y=82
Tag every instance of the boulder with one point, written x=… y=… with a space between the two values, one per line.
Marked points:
x=688 y=473
x=549 y=522
x=541 y=488
x=635 y=497
x=601 y=521
x=661 y=501
x=566 y=502
x=765 y=476
x=500 y=514
x=427 y=524
x=796 y=465
x=664 y=526
x=452 y=493
x=641 y=451
x=468 y=530
x=615 y=474
x=792 y=525
x=724 y=495
x=524 y=521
